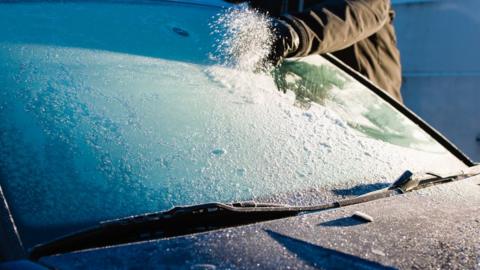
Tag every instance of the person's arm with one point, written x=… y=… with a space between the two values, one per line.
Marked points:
x=333 y=25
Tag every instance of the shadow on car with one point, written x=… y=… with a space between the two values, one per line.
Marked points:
x=342 y=222
x=320 y=256
x=359 y=189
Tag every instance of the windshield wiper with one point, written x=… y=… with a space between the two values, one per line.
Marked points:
x=210 y=216
x=181 y=221
x=174 y=222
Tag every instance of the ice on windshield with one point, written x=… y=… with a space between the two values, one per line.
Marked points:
x=109 y=110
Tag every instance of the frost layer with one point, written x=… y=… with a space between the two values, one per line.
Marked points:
x=97 y=126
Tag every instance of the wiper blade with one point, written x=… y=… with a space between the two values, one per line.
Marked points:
x=182 y=221
x=175 y=222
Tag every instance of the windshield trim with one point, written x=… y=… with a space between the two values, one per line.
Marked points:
x=11 y=247
x=435 y=134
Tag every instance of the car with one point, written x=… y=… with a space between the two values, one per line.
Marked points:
x=125 y=143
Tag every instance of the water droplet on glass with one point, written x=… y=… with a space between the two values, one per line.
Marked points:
x=219 y=152
x=180 y=31
x=240 y=172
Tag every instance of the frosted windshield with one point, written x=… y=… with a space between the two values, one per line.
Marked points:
x=110 y=110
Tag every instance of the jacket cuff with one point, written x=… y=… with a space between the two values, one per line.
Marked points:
x=298 y=29
x=289 y=38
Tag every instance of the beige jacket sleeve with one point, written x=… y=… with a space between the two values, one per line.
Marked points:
x=333 y=25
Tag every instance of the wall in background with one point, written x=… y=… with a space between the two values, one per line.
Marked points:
x=440 y=46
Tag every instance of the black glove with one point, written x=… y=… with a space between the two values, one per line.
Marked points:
x=285 y=43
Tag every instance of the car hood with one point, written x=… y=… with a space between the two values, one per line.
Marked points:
x=435 y=227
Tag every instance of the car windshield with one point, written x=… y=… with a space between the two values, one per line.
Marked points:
x=115 y=109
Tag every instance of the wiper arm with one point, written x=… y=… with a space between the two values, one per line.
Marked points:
x=409 y=182
x=205 y=217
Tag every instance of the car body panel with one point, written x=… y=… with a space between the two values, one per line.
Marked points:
x=21 y=264
x=432 y=228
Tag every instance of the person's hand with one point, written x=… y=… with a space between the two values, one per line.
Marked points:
x=285 y=42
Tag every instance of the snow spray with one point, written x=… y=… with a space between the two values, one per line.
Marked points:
x=243 y=39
